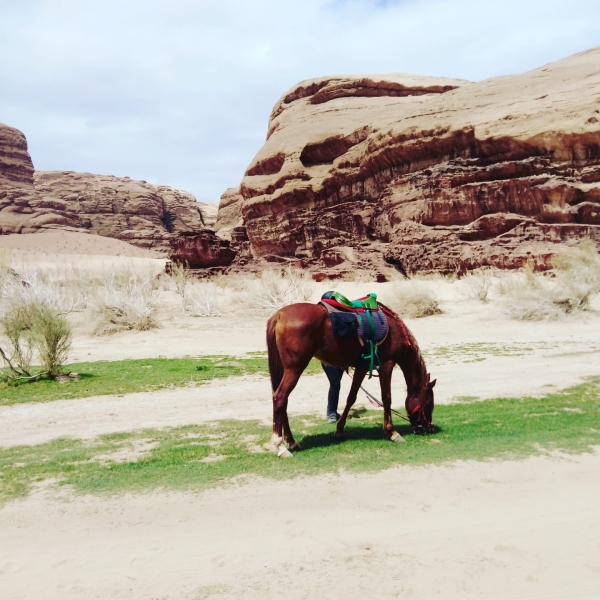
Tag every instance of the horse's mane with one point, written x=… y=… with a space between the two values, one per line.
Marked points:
x=417 y=357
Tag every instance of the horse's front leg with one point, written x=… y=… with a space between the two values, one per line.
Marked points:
x=359 y=376
x=385 y=379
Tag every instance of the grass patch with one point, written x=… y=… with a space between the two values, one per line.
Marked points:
x=480 y=351
x=129 y=376
x=205 y=455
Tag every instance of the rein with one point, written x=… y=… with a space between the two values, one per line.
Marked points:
x=375 y=402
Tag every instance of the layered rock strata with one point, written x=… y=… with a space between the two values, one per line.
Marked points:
x=138 y=212
x=22 y=208
x=146 y=215
x=436 y=174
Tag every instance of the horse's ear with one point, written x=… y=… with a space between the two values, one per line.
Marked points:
x=432 y=384
x=428 y=378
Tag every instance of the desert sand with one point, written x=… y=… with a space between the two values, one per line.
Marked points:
x=495 y=529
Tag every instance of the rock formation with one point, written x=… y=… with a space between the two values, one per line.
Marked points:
x=429 y=174
x=22 y=208
x=140 y=213
x=146 y=215
x=230 y=213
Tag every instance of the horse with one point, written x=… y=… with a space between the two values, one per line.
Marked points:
x=298 y=332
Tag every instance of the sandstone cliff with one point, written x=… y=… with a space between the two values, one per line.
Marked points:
x=432 y=174
x=22 y=208
x=146 y=215
x=135 y=211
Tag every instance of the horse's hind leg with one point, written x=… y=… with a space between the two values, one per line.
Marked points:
x=359 y=376
x=385 y=379
x=287 y=435
x=280 y=401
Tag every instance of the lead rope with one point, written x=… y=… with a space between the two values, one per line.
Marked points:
x=375 y=402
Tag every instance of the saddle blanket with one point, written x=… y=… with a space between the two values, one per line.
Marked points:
x=346 y=323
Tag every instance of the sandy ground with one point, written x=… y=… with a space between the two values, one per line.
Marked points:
x=526 y=529
x=495 y=530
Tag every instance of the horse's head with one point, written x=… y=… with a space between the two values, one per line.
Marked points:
x=420 y=408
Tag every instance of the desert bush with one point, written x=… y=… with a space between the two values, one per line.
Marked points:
x=232 y=281
x=31 y=330
x=126 y=301
x=478 y=284
x=276 y=288
x=530 y=296
x=413 y=299
x=202 y=300
x=178 y=274
x=65 y=295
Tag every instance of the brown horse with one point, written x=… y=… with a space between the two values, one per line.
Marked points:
x=299 y=332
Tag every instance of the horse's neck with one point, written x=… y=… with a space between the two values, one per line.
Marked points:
x=413 y=366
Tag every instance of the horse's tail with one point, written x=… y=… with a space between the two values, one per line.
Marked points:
x=275 y=364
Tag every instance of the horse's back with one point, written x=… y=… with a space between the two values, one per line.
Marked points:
x=299 y=316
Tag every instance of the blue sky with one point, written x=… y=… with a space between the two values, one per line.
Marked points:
x=179 y=92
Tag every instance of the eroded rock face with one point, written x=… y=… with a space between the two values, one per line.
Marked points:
x=230 y=213
x=22 y=208
x=135 y=211
x=202 y=250
x=146 y=215
x=438 y=174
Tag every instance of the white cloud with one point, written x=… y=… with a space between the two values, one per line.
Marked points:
x=179 y=91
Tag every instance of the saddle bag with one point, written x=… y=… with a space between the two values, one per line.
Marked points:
x=344 y=324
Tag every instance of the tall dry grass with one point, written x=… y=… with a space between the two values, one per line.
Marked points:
x=276 y=288
x=126 y=300
x=567 y=291
x=413 y=299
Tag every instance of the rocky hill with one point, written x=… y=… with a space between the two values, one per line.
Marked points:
x=426 y=173
x=146 y=215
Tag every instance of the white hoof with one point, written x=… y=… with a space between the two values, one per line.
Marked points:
x=283 y=452
x=273 y=444
x=396 y=437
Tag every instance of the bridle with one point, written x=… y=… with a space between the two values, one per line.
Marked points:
x=422 y=425
x=419 y=427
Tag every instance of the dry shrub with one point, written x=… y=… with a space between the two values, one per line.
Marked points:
x=126 y=301
x=66 y=294
x=178 y=274
x=33 y=325
x=530 y=296
x=233 y=281
x=412 y=299
x=478 y=284
x=276 y=288
x=201 y=300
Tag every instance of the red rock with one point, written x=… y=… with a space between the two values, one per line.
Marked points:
x=201 y=251
x=434 y=174
x=230 y=213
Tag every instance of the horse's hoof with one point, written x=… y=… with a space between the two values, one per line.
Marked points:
x=273 y=444
x=283 y=452
x=396 y=437
x=295 y=447
x=338 y=439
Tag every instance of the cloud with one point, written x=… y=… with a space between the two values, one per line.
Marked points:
x=179 y=91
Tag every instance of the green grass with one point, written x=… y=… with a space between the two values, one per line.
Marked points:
x=129 y=376
x=480 y=351
x=567 y=421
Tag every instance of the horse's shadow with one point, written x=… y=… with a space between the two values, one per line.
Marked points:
x=372 y=432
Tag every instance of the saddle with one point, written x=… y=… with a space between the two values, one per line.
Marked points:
x=363 y=319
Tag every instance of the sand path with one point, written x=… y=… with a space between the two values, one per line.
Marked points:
x=249 y=397
x=494 y=530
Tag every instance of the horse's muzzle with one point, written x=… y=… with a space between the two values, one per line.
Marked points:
x=423 y=428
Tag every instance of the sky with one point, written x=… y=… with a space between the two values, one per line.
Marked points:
x=179 y=92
